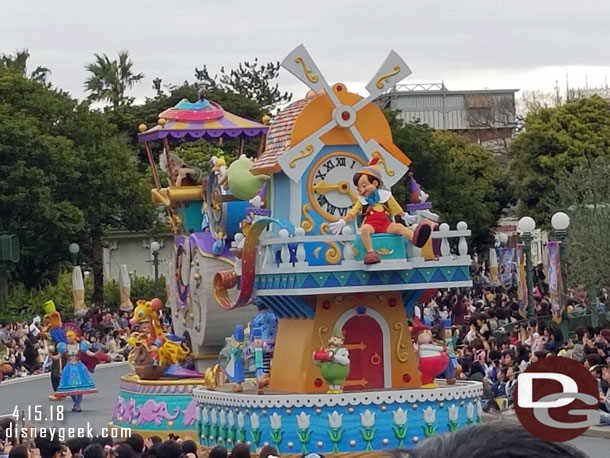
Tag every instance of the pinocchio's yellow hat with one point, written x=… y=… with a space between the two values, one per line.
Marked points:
x=372 y=169
x=49 y=307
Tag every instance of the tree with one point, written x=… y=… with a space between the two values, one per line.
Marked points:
x=556 y=141
x=18 y=63
x=463 y=179
x=66 y=175
x=531 y=101
x=110 y=80
x=584 y=193
x=111 y=192
x=37 y=166
x=250 y=80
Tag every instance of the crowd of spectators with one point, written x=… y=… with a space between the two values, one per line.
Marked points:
x=512 y=441
x=494 y=343
x=26 y=348
x=134 y=446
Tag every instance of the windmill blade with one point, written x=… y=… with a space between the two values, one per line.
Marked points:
x=392 y=169
x=393 y=70
x=295 y=161
x=301 y=65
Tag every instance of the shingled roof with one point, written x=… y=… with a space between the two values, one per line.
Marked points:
x=278 y=138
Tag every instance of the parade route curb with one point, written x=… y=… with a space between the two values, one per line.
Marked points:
x=29 y=378
x=594 y=431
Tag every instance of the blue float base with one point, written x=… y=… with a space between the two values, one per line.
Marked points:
x=364 y=421
x=156 y=407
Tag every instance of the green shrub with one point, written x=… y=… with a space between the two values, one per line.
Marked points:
x=23 y=303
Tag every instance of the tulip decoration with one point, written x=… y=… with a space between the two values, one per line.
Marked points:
x=204 y=430
x=470 y=413
x=223 y=427
x=214 y=430
x=452 y=412
x=241 y=425
x=276 y=430
x=256 y=431
x=335 y=421
x=304 y=433
x=232 y=432
x=367 y=419
x=400 y=430
x=479 y=412
x=429 y=422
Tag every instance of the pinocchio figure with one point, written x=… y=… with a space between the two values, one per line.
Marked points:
x=377 y=205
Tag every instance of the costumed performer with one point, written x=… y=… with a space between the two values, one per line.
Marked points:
x=376 y=205
x=235 y=369
x=52 y=325
x=75 y=377
x=433 y=359
x=334 y=362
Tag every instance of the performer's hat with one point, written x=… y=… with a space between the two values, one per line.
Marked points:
x=49 y=307
x=415 y=189
x=238 y=333
x=72 y=334
x=338 y=333
x=418 y=327
x=257 y=333
x=372 y=169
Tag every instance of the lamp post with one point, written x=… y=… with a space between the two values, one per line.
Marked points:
x=527 y=225
x=154 y=246
x=74 y=249
x=560 y=222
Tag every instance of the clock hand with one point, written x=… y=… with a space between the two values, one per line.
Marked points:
x=322 y=187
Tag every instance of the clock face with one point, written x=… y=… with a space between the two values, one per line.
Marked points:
x=330 y=188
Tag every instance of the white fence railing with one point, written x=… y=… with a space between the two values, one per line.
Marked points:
x=285 y=252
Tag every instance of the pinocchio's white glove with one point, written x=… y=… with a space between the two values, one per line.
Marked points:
x=338 y=226
x=409 y=219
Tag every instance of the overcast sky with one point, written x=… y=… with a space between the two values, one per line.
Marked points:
x=470 y=44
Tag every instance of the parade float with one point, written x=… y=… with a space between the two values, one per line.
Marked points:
x=205 y=214
x=345 y=377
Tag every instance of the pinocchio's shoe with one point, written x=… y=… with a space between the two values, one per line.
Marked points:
x=422 y=232
x=371 y=257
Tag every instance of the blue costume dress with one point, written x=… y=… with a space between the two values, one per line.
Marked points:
x=235 y=369
x=75 y=378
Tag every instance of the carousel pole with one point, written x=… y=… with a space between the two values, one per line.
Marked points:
x=152 y=165
x=169 y=164
x=241 y=147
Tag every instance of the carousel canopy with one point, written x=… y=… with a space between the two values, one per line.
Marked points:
x=202 y=119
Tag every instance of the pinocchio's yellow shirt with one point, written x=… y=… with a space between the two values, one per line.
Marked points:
x=385 y=197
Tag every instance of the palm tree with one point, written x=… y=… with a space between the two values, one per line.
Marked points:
x=110 y=80
x=18 y=63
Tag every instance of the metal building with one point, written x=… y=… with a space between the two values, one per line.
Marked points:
x=485 y=116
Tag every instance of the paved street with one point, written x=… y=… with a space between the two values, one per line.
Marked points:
x=97 y=408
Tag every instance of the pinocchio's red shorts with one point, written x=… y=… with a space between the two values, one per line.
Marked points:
x=378 y=219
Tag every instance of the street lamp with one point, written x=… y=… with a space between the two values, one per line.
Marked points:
x=74 y=249
x=560 y=222
x=527 y=225
x=154 y=246
x=503 y=238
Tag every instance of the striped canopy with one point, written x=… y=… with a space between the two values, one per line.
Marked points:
x=202 y=119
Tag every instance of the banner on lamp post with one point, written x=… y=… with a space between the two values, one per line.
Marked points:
x=507 y=267
x=78 y=291
x=521 y=280
x=493 y=267
x=125 y=289
x=555 y=280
